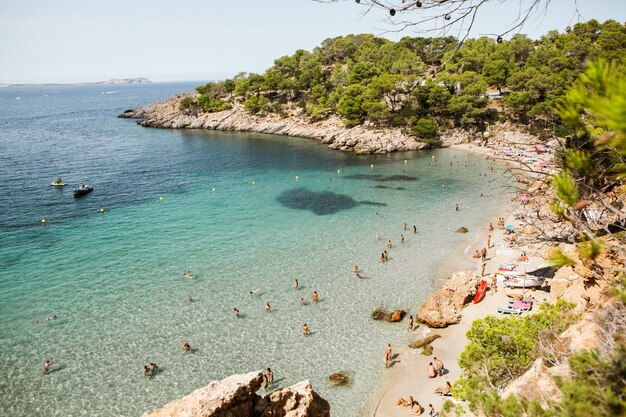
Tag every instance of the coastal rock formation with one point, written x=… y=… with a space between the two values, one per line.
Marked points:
x=383 y=314
x=340 y=379
x=538 y=382
x=296 y=401
x=396 y=315
x=365 y=139
x=445 y=305
x=236 y=396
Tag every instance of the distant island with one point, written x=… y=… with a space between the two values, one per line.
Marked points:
x=113 y=81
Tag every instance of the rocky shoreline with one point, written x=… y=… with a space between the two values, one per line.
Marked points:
x=363 y=139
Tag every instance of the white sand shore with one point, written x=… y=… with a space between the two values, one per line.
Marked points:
x=408 y=376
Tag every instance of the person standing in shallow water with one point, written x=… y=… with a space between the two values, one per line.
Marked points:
x=456 y=207
x=382 y=257
x=414 y=229
x=316 y=297
x=295 y=284
x=388 y=355
x=267 y=307
x=46 y=365
x=389 y=245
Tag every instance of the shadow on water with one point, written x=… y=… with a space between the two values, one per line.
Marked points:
x=320 y=202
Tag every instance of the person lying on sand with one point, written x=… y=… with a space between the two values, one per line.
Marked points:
x=406 y=403
x=431 y=370
x=419 y=410
x=445 y=390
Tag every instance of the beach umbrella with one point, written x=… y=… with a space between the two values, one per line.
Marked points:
x=509 y=226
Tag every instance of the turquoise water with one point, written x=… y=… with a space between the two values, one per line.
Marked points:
x=115 y=280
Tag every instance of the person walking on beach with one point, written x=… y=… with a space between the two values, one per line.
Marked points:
x=388 y=355
x=483 y=254
x=316 y=297
x=410 y=326
x=494 y=284
x=46 y=365
x=295 y=284
x=482 y=269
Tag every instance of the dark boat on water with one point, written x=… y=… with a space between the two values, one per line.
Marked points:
x=82 y=190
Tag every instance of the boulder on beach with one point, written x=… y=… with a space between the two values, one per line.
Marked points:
x=462 y=229
x=340 y=379
x=380 y=314
x=444 y=306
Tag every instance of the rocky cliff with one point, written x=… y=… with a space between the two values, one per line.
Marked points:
x=236 y=396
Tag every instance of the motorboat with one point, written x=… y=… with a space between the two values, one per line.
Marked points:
x=82 y=190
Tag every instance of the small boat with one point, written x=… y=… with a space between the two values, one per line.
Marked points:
x=480 y=294
x=57 y=184
x=79 y=192
x=524 y=281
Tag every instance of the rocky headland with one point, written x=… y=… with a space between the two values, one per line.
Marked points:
x=363 y=139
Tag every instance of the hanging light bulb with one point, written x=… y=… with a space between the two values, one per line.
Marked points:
x=499 y=39
x=447 y=17
x=418 y=4
x=392 y=12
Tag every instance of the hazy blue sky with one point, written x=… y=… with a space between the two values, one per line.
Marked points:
x=82 y=40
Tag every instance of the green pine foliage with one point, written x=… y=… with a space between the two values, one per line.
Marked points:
x=364 y=78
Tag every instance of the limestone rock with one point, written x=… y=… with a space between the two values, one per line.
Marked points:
x=234 y=395
x=340 y=379
x=462 y=229
x=444 y=306
x=396 y=315
x=296 y=401
x=537 y=383
x=425 y=341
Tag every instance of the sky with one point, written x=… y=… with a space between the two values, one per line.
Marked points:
x=67 y=41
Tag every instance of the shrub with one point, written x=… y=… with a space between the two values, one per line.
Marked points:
x=425 y=130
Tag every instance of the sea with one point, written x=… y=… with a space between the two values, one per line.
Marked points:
x=245 y=213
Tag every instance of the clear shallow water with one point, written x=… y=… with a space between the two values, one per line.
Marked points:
x=115 y=280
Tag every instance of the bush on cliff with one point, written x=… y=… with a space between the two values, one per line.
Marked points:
x=502 y=349
x=425 y=130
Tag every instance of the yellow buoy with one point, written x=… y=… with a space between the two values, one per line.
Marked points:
x=102 y=211
x=253 y=182
x=161 y=199
x=43 y=221
x=405 y=161
x=213 y=189
x=338 y=171
x=372 y=166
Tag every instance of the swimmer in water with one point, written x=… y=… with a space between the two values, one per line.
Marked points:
x=295 y=284
x=377 y=236
x=147 y=371
x=255 y=291
x=355 y=268
x=186 y=347
x=153 y=367
x=358 y=275
x=386 y=255
x=49 y=318
x=401 y=238
x=190 y=298
x=316 y=297
x=404 y=226
x=302 y=302
x=236 y=312
x=46 y=365
x=305 y=329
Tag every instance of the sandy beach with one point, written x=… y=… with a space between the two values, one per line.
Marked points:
x=408 y=375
